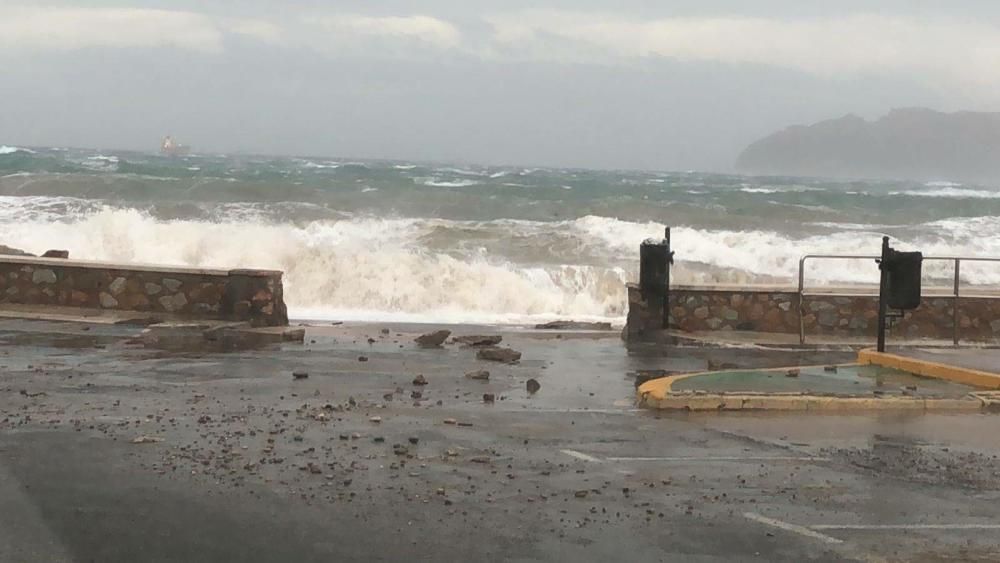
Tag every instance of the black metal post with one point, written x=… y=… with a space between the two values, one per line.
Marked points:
x=882 y=290
x=666 y=290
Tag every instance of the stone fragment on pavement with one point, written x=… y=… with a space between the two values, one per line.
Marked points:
x=146 y=440
x=480 y=374
x=498 y=354
x=532 y=385
x=478 y=340
x=433 y=339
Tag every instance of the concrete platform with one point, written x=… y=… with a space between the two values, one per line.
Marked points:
x=810 y=388
x=113 y=452
x=843 y=381
x=927 y=378
x=162 y=330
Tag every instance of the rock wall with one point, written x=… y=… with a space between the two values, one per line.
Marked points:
x=778 y=310
x=254 y=296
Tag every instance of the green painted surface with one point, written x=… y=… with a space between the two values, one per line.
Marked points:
x=855 y=380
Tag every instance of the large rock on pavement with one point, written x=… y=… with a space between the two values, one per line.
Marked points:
x=433 y=339
x=477 y=340
x=498 y=354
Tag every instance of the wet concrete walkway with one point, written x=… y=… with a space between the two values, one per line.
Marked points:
x=114 y=451
x=982 y=359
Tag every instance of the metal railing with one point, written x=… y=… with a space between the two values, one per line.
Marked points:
x=955 y=295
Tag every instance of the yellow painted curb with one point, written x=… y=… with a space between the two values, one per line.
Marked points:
x=659 y=394
x=813 y=403
x=966 y=376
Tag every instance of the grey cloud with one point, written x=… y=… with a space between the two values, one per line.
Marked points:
x=445 y=83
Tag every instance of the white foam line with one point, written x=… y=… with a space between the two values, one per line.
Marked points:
x=711 y=459
x=581 y=455
x=905 y=527
x=788 y=527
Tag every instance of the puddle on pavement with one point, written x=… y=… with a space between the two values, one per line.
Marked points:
x=851 y=380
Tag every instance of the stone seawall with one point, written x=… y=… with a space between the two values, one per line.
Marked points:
x=839 y=313
x=254 y=296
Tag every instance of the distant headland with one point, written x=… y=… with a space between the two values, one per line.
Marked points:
x=909 y=143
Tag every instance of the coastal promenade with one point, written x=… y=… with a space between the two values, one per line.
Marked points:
x=357 y=443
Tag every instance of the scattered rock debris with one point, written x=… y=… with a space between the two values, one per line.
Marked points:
x=532 y=385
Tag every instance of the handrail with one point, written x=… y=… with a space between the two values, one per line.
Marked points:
x=955 y=292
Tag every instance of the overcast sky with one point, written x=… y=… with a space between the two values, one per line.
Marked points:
x=655 y=84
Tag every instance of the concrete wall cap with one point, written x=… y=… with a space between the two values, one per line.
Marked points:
x=134 y=267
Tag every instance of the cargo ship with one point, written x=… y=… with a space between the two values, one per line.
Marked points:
x=169 y=147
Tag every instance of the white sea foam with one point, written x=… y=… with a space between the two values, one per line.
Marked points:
x=431 y=269
x=951 y=192
x=320 y=165
x=5 y=149
x=942 y=184
x=360 y=265
x=449 y=183
x=460 y=171
x=776 y=189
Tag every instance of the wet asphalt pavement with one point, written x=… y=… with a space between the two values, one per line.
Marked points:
x=112 y=451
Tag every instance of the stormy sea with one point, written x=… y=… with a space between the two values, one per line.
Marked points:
x=390 y=240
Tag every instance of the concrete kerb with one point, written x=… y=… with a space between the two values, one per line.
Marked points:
x=659 y=394
x=935 y=370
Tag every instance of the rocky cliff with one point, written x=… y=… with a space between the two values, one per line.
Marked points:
x=912 y=143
